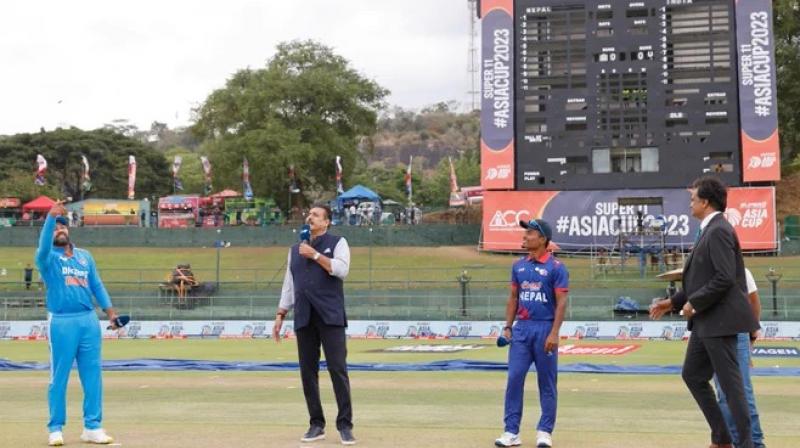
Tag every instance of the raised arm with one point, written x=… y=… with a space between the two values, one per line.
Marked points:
x=46 y=236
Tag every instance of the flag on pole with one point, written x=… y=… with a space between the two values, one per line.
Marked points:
x=177 y=185
x=293 y=188
x=409 y=187
x=86 y=184
x=248 y=190
x=131 y=176
x=40 y=171
x=207 y=170
x=453 y=179
x=339 y=185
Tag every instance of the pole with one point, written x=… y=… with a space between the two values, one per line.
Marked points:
x=218 y=249
x=370 y=262
x=218 y=244
x=774 y=297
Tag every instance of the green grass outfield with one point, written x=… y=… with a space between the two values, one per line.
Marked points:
x=410 y=266
x=392 y=409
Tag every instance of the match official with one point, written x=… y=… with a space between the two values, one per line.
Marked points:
x=714 y=300
x=314 y=286
x=71 y=279
x=538 y=301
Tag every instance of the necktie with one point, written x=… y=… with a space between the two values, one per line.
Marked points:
x=697 y=237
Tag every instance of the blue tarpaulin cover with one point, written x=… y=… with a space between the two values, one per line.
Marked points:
x=436 y=366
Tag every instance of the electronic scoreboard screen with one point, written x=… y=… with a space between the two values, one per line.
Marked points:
x=625 y=94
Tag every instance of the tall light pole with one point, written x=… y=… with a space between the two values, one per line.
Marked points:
x=774 y=276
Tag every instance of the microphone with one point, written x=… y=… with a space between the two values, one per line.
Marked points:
x=305 y=234
x=502 y=341
x=120 y=322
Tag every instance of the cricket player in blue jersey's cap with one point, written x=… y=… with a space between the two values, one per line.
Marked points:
x=537 y=301
x=74 y=330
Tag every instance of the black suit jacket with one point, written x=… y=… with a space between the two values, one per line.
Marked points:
x=715 y=284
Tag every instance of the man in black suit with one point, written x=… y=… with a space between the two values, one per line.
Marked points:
x=314 y=287
x=714 y=300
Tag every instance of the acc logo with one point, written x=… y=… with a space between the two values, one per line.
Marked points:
x=509 y=218
x=733 y=216
x=498 y=173
x=541 y=271
x=766 y=160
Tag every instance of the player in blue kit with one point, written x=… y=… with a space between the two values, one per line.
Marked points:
x=537 y=301
x=74 y=330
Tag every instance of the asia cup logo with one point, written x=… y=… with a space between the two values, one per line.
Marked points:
x=771 y=331
x=748 y=215
x=733 y=216
x=379 y=330
x=259 y=330
x=5 y=329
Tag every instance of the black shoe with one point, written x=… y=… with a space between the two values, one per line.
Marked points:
x=313 y=434
x=347 y=437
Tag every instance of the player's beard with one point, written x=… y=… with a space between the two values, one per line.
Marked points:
x=61 y=240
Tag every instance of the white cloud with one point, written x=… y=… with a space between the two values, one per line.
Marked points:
x=148 y=60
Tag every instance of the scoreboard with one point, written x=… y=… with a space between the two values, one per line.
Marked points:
x=620 y=94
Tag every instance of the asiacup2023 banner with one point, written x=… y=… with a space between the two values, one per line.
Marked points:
x=583 y=219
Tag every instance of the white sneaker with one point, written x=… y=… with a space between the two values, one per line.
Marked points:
x=508 y=439
x=543 y=439
x=97 y=436
x=56 y=438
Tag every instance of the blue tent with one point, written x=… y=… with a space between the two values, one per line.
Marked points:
x=359 y=192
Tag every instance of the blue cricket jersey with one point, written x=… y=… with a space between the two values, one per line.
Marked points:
x=537 y=281
x=71 y=281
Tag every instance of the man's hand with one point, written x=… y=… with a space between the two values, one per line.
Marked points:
x=276 y=328
x=688 y=310
x=754 y=336
x=659 y=308
x=507 y=334
x=58 y=209
x=307 y=251
x=551 y=344
x=111 y=313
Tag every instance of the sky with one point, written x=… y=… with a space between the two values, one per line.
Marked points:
x=85 y=63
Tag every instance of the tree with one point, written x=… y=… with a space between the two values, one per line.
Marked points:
x=304 y=108
x=787 y=56
x=107 y=152
x=19 y=184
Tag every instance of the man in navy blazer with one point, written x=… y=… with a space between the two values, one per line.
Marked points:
x=314 y=287
x=714 y=300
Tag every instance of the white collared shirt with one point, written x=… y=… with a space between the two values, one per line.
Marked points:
x=706 y=220
x=340 y=267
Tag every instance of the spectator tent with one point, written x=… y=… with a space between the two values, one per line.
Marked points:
x=359 y=193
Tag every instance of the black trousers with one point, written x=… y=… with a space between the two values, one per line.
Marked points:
x=717 y=355
x=334 y=342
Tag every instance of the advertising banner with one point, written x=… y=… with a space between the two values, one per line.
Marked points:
x=758 y=91
x=379 y=329
x=497 y=99
x=582 y=219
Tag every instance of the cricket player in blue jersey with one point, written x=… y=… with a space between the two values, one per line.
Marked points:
x=537 y=301
x=74 y=330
